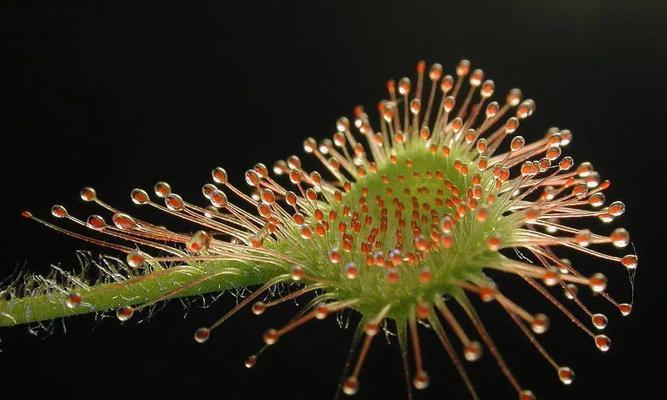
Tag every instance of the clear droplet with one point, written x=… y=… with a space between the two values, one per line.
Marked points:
x=250 y=361
x=566 y=375
x=472 y=351
x=420 y=380
x=135 y=259
x=219 y=175
x=616 y=208
x=199 y=242
x=625 y=309
x=599 y=321
x=321 y=311
x=620 y=238
x=218 y=198
x=372 y=328
x=517 y=143
x=202 y=334
x=539 y=324
x=59 y=211
x=124 y=313
x=334 y=256
x=571 y=291
x=88 y=194
x=603 y=343
x=174 y=202
x=270 y=337
x=73 y=300
x=526 y=395
x=351 y=386
x=351 y=270
x=258 y=308
x=124 y=221
x=162 y=189
x=598 y=282
x=630 y=261
x=139 y=197
x=297 y=272
x=96 y=222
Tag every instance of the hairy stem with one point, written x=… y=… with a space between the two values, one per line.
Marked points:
x=155 y=286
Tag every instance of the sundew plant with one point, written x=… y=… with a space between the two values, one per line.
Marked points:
x=412 y=208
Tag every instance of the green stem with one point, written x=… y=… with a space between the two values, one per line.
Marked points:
x=144 y=289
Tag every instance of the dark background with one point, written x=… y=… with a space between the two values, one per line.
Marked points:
x=122 y=94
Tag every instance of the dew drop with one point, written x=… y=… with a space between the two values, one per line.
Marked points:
x=88 y=194
x=123 y=221
x=487 y=294
x=513 y=97
x=415 y=106
x=124 y=313
x=262 y=170
x=59 y=211
x=218 y=198
x=258 y=308
x=596 y=199
x=517 y=143
x=351 y=270
x=174 y=202
x=162 y=189
x=199 y=242
x=526 y=395
x=202 y=334
x=570 y=291
x=321 y=311
x=420 y=380
x=487 y=89
x=219 y=175
x=598 y=282
x=630 y=261
x=616 y=208
x=463 y=67
x=494 y=243
x=139 y=197
x=135 y=259
x=525 y=109
x=372 y=328
x=472 y=351
x=334 y=256
x=96 y=222
x=343 y=124
x=351 y=386
x=435 y=72
x=620 y=238
x=625 y=309
x=599 y=321
x=250 y=361
x=603 y=343
x=73 y=300
x=566 y=163
x=539 y=324
x=295 y=176
x=297 y=273
x=207 y=190
x=551 y=277
x=270 y=337
x=566 y=375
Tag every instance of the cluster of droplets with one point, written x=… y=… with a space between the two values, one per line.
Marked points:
x=413 y=209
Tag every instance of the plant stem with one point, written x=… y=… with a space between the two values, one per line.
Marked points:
x=143 y=289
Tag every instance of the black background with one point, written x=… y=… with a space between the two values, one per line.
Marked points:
x=119 y=95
